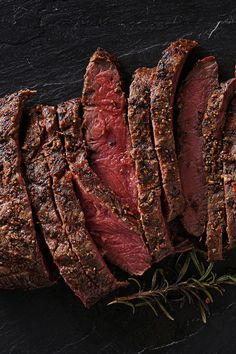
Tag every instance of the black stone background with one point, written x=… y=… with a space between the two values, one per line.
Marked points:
x=47 y=45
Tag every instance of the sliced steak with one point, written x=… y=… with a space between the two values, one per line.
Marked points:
x=162 y=100
x=114 y=230
x=192 y=102
x=146 y=166
x=62 y=220
x=229 y=173
x=106 y=132
x=212 y=130
x=21 y=261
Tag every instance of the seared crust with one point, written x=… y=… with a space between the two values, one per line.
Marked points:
x=162 y=100
x=21 y=261
x=146 y=166
x=212 y=130
x=229 y=173
x=77 y=256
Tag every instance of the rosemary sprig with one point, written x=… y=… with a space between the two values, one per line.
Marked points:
x=198 y=288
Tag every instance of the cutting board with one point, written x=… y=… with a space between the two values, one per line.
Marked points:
x=46 y=45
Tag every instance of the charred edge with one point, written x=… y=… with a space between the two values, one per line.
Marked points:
x=43 y=137
x=180 y=48
x=157 y=251
x=43 y=140
x=150 y=126
x=102 y=54
x=228 y=170
x=218 y=103
x=188 y=66
x=43 y=247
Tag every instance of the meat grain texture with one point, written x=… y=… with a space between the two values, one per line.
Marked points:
x=21 y=262
x=115 y=231
x=163 y=91
x=212 y=130
x=146 y=166
x=106 y=131
x=192 y=103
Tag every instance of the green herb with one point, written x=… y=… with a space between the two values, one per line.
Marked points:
x=198 y=288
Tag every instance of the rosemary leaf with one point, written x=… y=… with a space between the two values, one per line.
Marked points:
x=119 y=301
x=204 y=290
x=148 y=303
x=184 y=269
x=164 y=310
x=198 y=289
x=203 y=314
x=136 y=282
x=207 y=272
x=198 y=265
x=154 y=280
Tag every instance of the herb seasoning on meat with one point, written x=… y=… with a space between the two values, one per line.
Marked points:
x=114 y=230
x=229 y=173
x=81 y=264
x=56 y=236
x=21 y=261
x=146 y=166
x=212 y=130
x=162 y=100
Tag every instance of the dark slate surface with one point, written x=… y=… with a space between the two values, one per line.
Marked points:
x=46 y=45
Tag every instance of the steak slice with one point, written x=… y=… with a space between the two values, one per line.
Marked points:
x=21 y=262
x=162 y=100
x=106 y=132
x=113 y=229
x=60 y=214
x=192 y=102
x=212 y=131
x=229 y=173
x=146 y=166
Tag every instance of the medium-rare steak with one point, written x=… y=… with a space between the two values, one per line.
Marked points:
x=146 y=166
x=21 y=261
x=212 y=130
x=74 y=253
x=106 y=132
x=192 y=102
x=162 y=100
x=113 y=229
x=229 y=173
